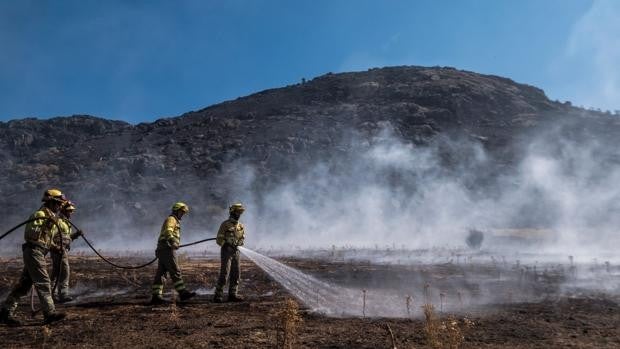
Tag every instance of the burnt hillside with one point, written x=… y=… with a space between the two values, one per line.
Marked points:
x=115 y=169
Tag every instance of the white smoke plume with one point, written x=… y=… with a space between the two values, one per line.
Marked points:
x=390 y=192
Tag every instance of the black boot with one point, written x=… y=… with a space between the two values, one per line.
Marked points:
x=157 y=300
x=185 y=295
x=8 y=319
x=53 y=317
x=235 y=298
x=63 y=298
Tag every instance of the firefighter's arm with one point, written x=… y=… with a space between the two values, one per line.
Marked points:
x=221 y=236
x=175 y=242
x=169 y=233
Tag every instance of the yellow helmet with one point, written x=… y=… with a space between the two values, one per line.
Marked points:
x=53 y=195
x=180 y=206
x=238 y=207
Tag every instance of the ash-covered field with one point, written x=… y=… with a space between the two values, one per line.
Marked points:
x=347 y=298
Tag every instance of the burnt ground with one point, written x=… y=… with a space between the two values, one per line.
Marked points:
x=110 y=311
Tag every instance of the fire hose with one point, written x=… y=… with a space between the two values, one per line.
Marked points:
x=129 y=266
x=90 y=245
x=22 y=224
x=93 y=247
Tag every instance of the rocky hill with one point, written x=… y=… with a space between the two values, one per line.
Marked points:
x=129 y=173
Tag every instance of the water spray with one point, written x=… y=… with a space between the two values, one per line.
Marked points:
x=327 y=298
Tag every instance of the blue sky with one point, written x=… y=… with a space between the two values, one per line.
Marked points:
x=141 y=60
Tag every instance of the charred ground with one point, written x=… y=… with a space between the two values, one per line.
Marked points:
x=110 y=311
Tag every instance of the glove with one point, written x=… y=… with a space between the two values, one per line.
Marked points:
x=76 y=235
x=174 y=245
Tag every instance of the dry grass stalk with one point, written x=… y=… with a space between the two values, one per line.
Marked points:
x=431 y=326
x=391 y=333
x=442 y=297
x=174 y=315
x=364 y=302
x=91 y=329
x=318 y=303
x=289 y=321
x=131 y=281
x=409 y=303
x=444 y=334
x=453 y=336
x=47 y=334
x=607 y=267
x=202 y=279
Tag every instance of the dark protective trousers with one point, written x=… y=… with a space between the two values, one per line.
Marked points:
x=34 y=273
x=60 y=270
x=229 y=265
x=167 y=264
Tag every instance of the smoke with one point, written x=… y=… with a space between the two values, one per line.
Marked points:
x=387 y=192
x=392 y=202
x=557 y=195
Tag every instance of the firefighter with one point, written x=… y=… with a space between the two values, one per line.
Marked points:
x=60 y=259
x=39 y=236
x=230 y=236
x=169 y=241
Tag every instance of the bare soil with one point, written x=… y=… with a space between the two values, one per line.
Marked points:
x=110 y=311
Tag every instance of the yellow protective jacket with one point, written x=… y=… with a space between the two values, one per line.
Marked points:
x=231 y=232
x=171 y=232
x=42 y=231
x=65 y=233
